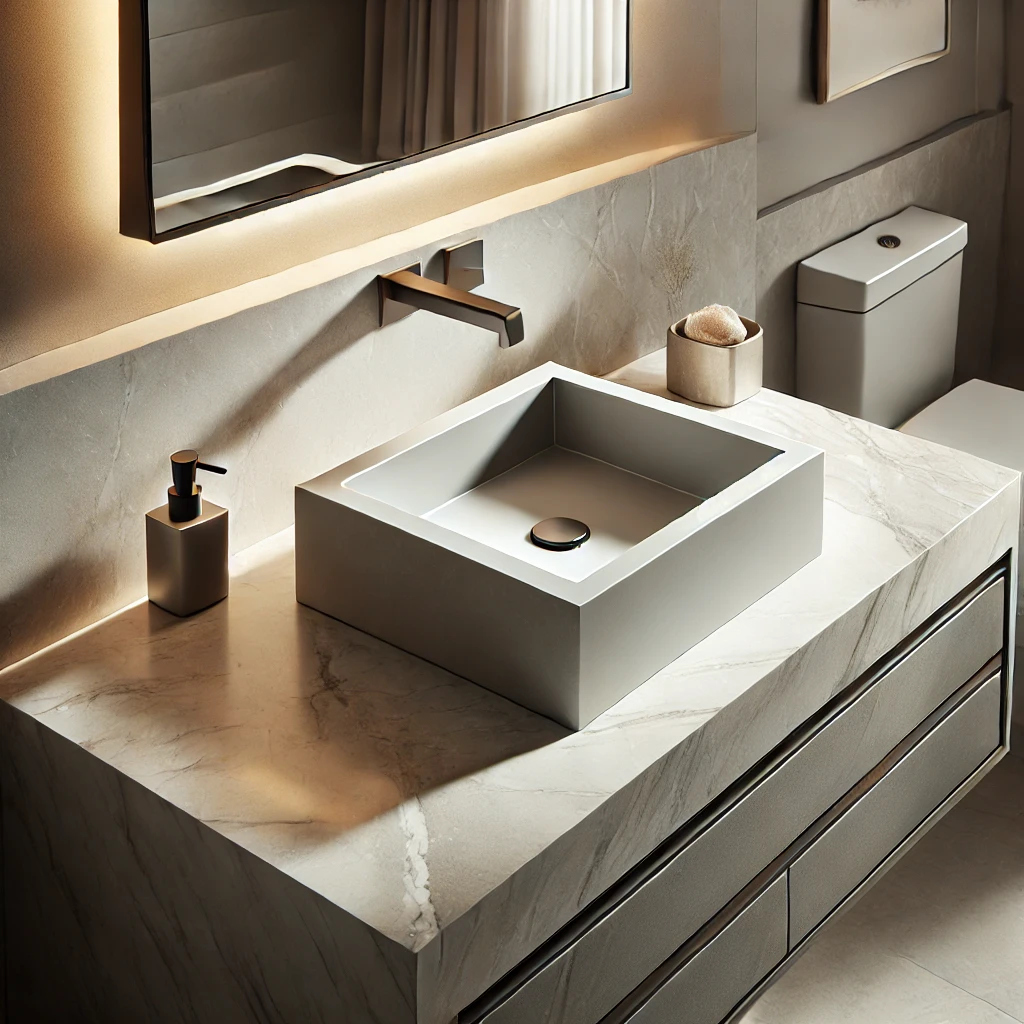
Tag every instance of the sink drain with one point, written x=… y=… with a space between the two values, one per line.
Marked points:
x=560 y=534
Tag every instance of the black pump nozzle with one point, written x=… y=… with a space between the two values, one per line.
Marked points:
x=185 y=498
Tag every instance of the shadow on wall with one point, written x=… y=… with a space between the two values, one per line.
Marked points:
x=566 y=336
x=244 y=423
x=27 y=617
x=71 y=594
x=87 y=588
x=91 y=587
x=285 y=391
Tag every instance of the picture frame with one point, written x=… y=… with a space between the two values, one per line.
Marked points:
x=914 y=32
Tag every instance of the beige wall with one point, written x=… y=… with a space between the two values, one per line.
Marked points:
x=1009 y=356
x=802 y=143
x=68 y=275
x=282 y=392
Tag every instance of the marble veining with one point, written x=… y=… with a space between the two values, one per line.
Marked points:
x=128 y=909
x=449 y=822
x=416 y=874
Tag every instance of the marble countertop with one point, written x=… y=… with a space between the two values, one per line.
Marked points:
x=462 y=827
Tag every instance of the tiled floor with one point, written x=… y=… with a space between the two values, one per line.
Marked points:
x=939 y=940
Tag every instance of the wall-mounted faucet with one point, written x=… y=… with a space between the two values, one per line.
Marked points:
x=404 y=291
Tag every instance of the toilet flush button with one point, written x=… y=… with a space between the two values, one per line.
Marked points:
x=889 y=241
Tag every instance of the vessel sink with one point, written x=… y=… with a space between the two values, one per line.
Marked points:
x=426 y=543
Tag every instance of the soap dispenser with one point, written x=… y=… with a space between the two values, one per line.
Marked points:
x=187 y=543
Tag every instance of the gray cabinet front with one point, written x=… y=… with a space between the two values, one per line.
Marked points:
x=584 y=981
x=616 y=963
x=707 y=986
x=876 y=824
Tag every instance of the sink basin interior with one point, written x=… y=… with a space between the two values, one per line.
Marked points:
x=620 y=508
x=425 y=540
x=624 y=469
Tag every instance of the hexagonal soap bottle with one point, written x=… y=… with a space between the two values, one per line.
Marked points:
x=187 y=543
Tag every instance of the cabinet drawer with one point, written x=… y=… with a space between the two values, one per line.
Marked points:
x=875 y=825
x=584 y=980
x=708 y=985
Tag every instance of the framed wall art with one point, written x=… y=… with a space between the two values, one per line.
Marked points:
x=860 y=42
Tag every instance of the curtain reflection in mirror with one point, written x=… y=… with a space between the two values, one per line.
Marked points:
x=257 y=99
x=440 y=70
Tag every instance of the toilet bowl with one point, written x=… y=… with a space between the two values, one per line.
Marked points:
x=986 y=420
x=980 y=418
x=876 y=337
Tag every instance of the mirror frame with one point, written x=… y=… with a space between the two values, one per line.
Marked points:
x=138 y=215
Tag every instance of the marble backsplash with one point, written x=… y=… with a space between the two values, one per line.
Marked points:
x=960 y=172
x=282 y=392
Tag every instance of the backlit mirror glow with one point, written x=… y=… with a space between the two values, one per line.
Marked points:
x=255 y=101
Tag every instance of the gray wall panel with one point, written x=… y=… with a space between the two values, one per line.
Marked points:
x=960 y=172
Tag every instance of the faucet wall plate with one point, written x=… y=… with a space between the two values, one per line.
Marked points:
x=390 y=310
x=403 y=291
x=464 y=265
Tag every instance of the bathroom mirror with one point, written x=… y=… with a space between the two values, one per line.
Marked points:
x=231 y=106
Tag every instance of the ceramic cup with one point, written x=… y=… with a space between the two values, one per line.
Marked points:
x=721 y=375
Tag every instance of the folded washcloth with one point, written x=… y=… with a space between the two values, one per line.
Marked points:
x=716 y=325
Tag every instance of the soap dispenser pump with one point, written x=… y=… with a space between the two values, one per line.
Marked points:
x=187 y=542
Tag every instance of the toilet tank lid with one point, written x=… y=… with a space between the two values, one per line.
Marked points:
x=866 y=269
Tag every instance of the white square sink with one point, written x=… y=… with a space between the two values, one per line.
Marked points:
x=425 y=541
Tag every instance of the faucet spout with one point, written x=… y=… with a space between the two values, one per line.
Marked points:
x=407 y=290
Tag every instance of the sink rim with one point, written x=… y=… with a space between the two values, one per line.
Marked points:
x=334 y=484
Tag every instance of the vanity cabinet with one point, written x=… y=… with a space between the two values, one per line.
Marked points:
x=849 y=850
x=698 y=928
x=724 y=968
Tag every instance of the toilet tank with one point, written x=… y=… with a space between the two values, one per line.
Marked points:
x=877 y=317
